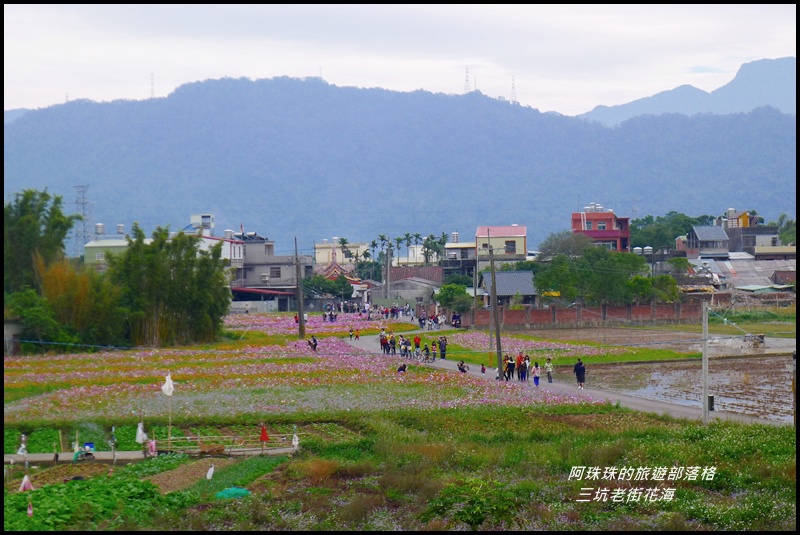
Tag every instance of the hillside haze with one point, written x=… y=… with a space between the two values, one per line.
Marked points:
x=766 y=82
x=302 y=158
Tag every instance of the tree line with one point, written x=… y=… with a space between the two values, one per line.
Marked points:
x=159 y=292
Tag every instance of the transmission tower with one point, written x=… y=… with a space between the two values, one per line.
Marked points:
x=466 y=82
x=82 y=227
x=513 y=91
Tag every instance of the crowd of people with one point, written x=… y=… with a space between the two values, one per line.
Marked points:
x=517 y=368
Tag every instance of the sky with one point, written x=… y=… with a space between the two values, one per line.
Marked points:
x=562 y=58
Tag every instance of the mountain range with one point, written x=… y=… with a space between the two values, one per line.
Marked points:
x=766 y=82
x=300 y=158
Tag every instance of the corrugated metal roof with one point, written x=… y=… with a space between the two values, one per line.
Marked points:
x=710 y=233
x=751 y=272
x=511 y=282
x=744 y=272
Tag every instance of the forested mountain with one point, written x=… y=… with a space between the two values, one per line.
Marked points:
x=302 y=158
x=766 y=82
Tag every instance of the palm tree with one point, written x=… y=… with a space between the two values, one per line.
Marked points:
x=398 y=240
x=429 y=248
x=343 y=242
x=388 y=258
x=373 y=245
x=442 y=241
x=417 y=239
x=407 y=238
x=383 y=239
x=366 y=256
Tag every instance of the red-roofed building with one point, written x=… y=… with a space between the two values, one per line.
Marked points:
x=604 y=227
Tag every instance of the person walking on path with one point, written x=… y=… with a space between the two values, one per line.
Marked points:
x=417 y=342
x=510 y=368
x=358 y=334
x=580 y=373
x=522 y=370
x=548 y=367
x=536 y=372
x=351 y=333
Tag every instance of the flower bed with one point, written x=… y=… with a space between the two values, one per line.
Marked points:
x=249 y=380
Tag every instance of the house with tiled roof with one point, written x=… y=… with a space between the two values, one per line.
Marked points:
x=509 y=284
x=707 y=242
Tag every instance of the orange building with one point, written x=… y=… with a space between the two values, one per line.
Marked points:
x=604 y=227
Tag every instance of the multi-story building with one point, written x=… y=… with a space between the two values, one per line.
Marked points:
x=706 y=241
x=603 y=227
x=333 y=251
x=459 y=257
x=97 y=251
x=507 y=243
x=265 y=276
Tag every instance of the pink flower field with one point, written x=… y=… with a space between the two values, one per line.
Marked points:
x=257 y=380
x=479 y=341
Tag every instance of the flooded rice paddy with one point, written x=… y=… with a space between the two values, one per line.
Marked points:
x=759 y=386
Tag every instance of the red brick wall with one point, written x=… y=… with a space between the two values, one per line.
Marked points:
x=691 y=310
x=618 y=313
x=515 y=317
x=566 y=315
x=541 y=316
x=642 y=314
x=431 y=273
x=482 y=318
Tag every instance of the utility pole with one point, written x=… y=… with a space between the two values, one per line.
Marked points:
x=493 y=306
x=301 y=320
x=705 y=362
x=475 y=290
x=794 y=389
x=388 y=267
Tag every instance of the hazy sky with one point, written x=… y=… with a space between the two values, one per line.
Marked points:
x=564 y=58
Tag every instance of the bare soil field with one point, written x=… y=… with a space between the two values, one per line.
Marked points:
x=187 y=474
